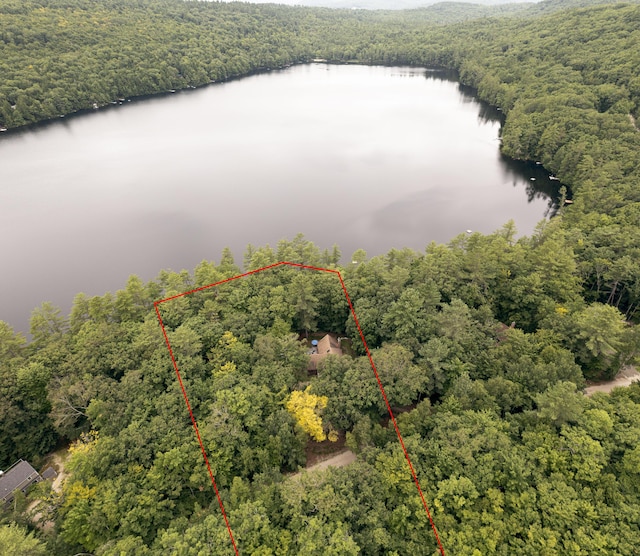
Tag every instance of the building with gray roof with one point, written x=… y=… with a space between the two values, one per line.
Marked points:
x=20 y=476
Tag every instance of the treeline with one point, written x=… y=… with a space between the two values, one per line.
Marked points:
x=58 y=57
x=568 y=83
x=511 y=455
x=61 y=56
x=570 y=87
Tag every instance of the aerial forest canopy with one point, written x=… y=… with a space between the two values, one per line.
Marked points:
x=512 y=457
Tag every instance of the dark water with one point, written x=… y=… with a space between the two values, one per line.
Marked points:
x=366 y=157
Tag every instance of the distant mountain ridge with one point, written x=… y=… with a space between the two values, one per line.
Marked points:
x=550 y=6
x=453 y=11
x=391 y=4
x=446 y=13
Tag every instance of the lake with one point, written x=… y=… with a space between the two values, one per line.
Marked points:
x=365 y=157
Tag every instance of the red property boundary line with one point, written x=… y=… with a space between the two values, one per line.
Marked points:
x=373 y=367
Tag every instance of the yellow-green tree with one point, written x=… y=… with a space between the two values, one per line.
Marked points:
x=16 y=540
x=306 y=409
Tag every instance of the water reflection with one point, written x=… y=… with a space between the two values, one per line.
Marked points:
x=366 y=157
x=486 y=113
x=539 y=186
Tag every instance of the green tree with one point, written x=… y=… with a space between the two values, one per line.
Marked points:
x=46 y=324
x=402 y=380
x=16 y=540
x=304 y=302
x=134 y=302
x=320 y=538
x=560 y=404
x=599 y=330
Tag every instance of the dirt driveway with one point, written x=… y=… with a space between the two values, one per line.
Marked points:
x=339 y=460
x=625 y=377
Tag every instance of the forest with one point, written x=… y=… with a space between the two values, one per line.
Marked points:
x=513 y=458
x=484 y=345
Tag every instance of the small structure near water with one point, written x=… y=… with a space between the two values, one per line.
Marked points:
x=327 y=345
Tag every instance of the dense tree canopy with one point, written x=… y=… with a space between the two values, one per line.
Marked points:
x=511 y=455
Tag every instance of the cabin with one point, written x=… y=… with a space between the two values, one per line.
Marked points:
x=20 y=476
x=327 y=345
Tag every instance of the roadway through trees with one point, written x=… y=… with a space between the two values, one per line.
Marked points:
x=625 y=377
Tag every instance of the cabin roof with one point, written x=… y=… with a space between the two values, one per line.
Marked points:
x=19 y=476
x=49 y=473
x=328 y=345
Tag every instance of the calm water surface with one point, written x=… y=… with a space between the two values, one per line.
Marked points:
x=366 y=157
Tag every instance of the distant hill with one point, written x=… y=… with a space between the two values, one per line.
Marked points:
x=550 y=6
x=374 y=4
x=452 y=11
x=455 y=12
